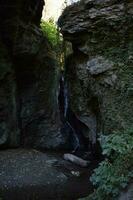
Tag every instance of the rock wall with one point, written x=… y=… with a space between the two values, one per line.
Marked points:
x=101 y=91
x=99 y=72
x=29 y=113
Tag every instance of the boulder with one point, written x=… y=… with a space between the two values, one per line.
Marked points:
x=127 y=194
x=30 y=174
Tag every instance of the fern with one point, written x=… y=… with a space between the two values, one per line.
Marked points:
x=115 y=172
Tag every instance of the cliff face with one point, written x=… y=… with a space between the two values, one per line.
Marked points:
x=101 y=93
x=28 y=79
x=101 y=64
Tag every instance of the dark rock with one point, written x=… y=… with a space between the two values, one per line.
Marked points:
x=76 y=160
x=29 y=80
x=37 y=79
x=127 y=194
x=101 y=63
x=9 y=131
x=29 y=174
x=98 y=65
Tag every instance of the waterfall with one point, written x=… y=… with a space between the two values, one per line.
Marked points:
x=69 y=118
x=65 y=96
x=77 y=142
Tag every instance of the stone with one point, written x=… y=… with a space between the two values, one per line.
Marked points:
x=98 y=65
x=30 y=174
x=76 y=160
x=127 y=194
x=101 y=62
x=9 y=130
x=29 y=79
x=38 y=85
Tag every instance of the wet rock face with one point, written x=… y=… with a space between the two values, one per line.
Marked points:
x=28 y=79
x=101 y=63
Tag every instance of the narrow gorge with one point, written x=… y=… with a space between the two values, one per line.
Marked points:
x=60 y=124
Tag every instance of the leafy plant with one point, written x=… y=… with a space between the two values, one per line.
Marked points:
x=50 y=30
x=116 y=170
x=117 y=143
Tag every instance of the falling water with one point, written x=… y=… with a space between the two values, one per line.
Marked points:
x=68 y=117
x=65 y=95
x=77 y=142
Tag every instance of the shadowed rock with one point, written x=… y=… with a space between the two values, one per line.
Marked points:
x=29 y=174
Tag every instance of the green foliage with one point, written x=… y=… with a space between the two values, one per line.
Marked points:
x=50 y=30
x=114 y=173
x=118 y=143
